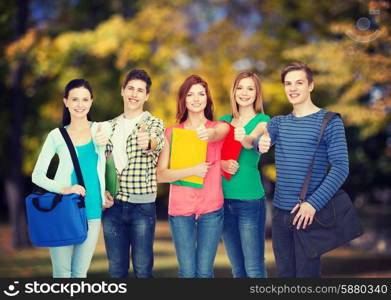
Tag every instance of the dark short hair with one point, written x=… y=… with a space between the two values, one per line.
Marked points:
x=138 y=74
x=297 y=66
x=182 y=113
x=73 y=84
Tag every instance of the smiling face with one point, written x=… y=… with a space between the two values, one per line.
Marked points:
x=134 y=95
x=196 y=98
x=297 y=88
x=79 y=102
x=245 y=92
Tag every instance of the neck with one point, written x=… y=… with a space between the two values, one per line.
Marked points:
x=79 y=124
x=195 y=119
x=130 y=114
x=246 y=111
x=304 y=109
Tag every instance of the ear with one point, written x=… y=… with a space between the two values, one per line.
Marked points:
x=65 y=102
x=311 y=86
x=122 y=92
x=146 y=99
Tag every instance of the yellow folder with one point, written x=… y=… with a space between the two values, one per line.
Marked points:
x=187 y=150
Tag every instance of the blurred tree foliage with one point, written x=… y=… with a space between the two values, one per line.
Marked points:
x=101 y=40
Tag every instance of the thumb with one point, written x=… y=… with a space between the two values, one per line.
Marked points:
x=240 y=123
x=266 y=133
x=143 y=128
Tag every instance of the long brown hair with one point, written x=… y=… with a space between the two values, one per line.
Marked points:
x=258 y=103
x=182 y=112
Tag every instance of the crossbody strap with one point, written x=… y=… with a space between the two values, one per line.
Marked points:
x=72 y=151
x=327 y=117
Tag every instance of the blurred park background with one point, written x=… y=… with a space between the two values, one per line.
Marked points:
x=45 y=43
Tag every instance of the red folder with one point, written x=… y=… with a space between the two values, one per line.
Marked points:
x=231 y=148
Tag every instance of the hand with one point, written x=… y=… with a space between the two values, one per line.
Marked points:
x=143 y=138
x=204 y=133
x=201 y=169
x=264 y=142
x=74 y=189
x=239 y=133
x=100 y=137
x=230 y=166
x=304 y=216
x=109 y=201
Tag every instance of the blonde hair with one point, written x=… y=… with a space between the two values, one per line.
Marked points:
x=258 y=103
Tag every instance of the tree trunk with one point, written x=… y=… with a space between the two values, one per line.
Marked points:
x=14 y=183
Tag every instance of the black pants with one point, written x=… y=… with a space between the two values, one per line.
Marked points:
x=290 y=258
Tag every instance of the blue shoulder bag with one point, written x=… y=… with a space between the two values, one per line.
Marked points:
x=54 y=219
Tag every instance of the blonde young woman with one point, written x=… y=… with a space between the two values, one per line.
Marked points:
x=244 y=195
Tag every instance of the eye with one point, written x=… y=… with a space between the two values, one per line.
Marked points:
x=86 y=99
x=250 y=89
x=202 y=94
x=239 y=88
x=189 y=94
x=74 y=99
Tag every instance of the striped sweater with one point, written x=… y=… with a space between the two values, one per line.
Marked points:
x=295 y=141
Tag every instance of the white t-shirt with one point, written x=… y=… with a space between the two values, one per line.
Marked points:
x=120 y=136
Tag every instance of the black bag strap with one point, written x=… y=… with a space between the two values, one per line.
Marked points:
x=327 y=117
x=72 y=151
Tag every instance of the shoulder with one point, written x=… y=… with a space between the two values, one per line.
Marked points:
x=227 y=118
x=154 y=120
x=262 y=118
x=335 y=123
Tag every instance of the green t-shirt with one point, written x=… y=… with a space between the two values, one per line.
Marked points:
x=246 y=184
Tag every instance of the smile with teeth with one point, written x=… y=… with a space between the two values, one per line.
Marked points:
x=244 y=99
x=294 y=95
x=79 y=110
x=132 y=100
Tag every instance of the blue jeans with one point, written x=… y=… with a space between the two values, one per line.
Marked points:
x=129 y=227
x=291 y=260
x=74 y=260
x=244 y=237
x=196 y=242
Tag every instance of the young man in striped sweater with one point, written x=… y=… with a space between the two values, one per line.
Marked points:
x=295 y=137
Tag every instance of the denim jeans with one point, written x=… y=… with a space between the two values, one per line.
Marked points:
x=129 y=228
x=196 y=242
x=244 y=237
x=291 y=260
x=74 y=260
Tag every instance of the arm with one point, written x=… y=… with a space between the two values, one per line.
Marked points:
x=41 y=166
x=214 y=134
x=164 y=174
x=337 y=154
x=247 y=141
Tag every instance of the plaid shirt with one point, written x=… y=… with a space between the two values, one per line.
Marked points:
x=139 y=176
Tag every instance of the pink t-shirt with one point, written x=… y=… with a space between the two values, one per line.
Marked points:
x=186 y=201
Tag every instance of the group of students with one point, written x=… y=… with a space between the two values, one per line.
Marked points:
x=233 y=210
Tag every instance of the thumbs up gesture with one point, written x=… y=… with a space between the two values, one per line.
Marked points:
x=239 y=132
x=264 y=142
x=100 y=137
x=143 y=138
x=203 y=133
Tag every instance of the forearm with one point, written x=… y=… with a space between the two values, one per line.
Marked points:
x=170 y=175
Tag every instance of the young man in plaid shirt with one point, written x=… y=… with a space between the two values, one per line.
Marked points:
x=135 y=141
